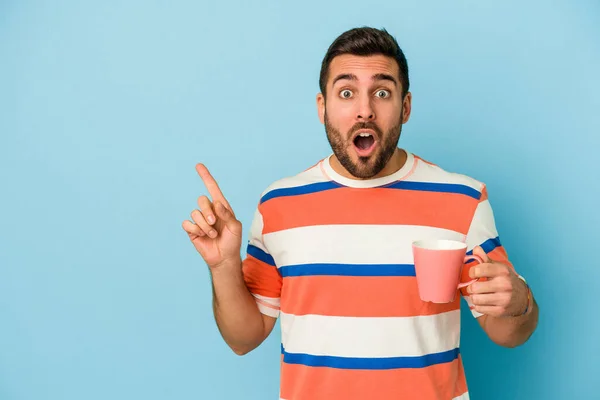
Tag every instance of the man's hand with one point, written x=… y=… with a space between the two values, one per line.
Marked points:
x=214 y=232
x=503 y=294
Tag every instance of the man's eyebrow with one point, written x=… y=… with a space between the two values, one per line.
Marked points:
x=385 y=77
x=350 y=77
x=376 y=77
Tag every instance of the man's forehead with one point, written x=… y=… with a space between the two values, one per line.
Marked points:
x=363 y=66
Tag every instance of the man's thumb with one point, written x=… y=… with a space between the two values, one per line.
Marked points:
x=478 y=251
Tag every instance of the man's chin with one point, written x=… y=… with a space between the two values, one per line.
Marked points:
x=363 y=168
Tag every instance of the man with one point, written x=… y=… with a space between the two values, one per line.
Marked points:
x=323 y=246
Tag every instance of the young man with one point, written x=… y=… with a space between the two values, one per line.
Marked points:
x=330 y=250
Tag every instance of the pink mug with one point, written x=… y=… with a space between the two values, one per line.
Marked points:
x=438 y=266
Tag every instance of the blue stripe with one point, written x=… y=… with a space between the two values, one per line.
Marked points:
x=370 y=363
x=348 y=270
x=298 y=190
x=488 y=245
x=261 y=255
x=437 y=187
x=422 y=186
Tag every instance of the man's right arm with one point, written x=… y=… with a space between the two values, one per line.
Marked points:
x=238 y=318
x=242 y=318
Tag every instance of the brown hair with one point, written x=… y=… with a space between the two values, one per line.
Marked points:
x=365 y=41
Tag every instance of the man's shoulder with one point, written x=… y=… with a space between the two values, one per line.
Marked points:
x=427 y=171
x=312 y=175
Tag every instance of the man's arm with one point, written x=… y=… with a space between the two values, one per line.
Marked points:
x=238 y=318
x=510 y=313
x=216 y=234
x=510 y=331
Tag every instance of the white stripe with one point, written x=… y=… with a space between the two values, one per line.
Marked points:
x=271 y=300
x=482 y=227
x=268 y=310
x=370 y=336
x=464 y=396
x=351 y=244
x=255 y=234
x=430 y=173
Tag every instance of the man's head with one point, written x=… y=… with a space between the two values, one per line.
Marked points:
x=364 y=99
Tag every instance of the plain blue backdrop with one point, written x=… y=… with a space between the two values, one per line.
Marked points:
x=105 y=107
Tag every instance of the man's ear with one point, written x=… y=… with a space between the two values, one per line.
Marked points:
x=321 y=107
x=406 y=107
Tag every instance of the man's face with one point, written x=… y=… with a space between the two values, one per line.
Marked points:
x=363 y=112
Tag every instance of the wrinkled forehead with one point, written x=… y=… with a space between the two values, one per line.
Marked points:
x=363 y=67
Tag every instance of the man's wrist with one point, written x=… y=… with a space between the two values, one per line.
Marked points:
x=229 y=269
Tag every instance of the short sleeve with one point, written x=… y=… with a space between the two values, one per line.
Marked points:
x=483 y=232
x=260 y=271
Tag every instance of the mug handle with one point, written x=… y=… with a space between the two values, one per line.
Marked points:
x=467 y=258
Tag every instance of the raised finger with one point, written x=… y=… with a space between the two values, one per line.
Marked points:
x=211 y=184
x=198 y=218
x=207 y=209
x=192 y=228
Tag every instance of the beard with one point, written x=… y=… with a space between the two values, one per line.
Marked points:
x=364 y=167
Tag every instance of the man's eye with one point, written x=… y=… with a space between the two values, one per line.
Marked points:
x=346 y=94
x=383 y=94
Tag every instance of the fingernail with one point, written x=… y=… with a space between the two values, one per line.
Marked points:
x=211 y=219
x=212 y=233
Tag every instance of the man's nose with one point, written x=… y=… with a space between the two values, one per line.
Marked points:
x=365 y=110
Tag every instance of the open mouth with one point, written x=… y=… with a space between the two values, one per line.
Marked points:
x=364 y=143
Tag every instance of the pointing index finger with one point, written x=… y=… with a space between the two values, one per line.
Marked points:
x=211 y=184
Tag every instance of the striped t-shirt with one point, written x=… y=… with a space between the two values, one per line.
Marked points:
x=332 y=258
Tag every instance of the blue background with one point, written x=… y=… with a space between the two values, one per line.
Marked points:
x=105 y=107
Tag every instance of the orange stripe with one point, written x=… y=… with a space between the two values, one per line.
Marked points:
x=261 y=278
x=499 y=255
x=352 y=296
x=369 y=206
x=441 y=381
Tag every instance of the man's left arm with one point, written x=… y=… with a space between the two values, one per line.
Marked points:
x=500 y=299
x=510 y=312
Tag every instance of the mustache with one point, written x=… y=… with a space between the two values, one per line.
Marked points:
x=365 y=125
